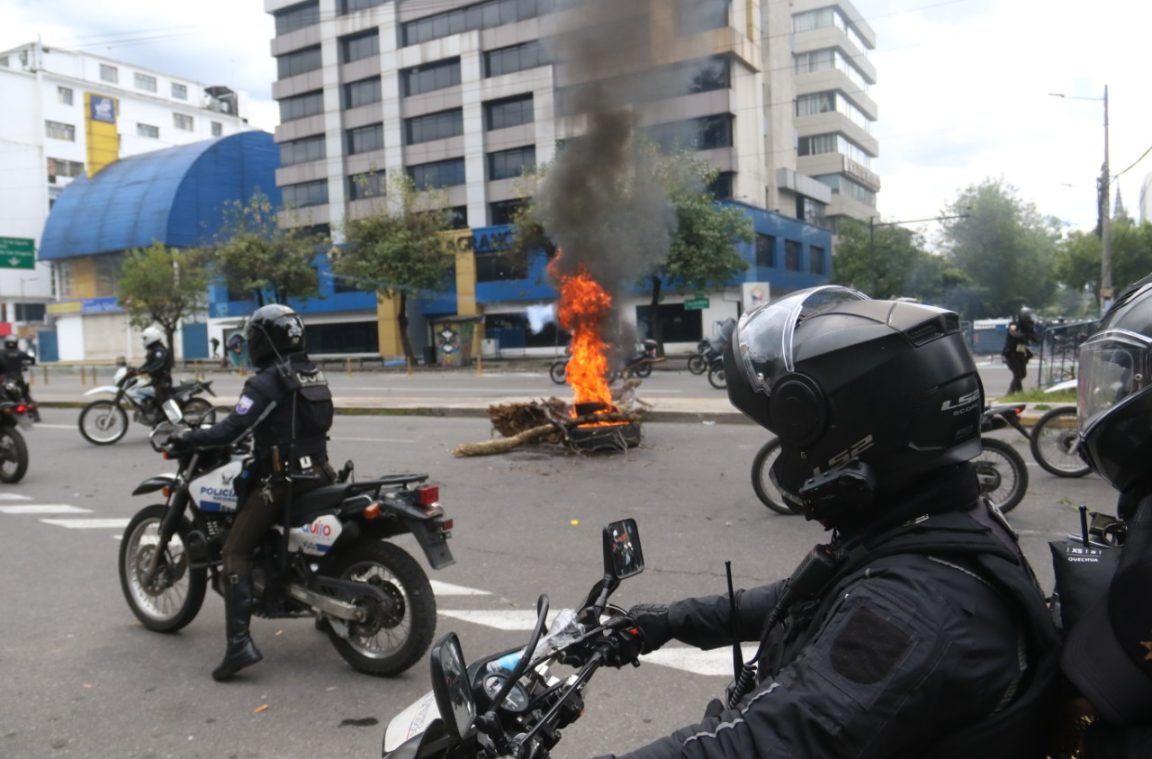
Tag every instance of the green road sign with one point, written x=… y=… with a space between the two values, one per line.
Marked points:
x=699 y=303
x=17 y=253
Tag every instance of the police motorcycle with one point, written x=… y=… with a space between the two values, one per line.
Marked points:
x=15 y=415
x=335 y=562
x=515 y=703
x=105 y=421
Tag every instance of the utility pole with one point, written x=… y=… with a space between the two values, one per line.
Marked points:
x=1106 y=222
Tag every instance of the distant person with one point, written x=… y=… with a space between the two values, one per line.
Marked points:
x=236 y=349
x=1021 y=332
x=14 y=362
x=215 y=346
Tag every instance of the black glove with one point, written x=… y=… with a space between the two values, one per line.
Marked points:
x=180 y=443
x=652 y=619
x=625 y=644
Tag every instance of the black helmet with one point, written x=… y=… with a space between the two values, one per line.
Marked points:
x=1113 y=395
x=1025 y=316
x=864 y=395
x=11 y=343
x=273 y=332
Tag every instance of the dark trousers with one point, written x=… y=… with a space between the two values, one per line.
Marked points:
x=1018 y=365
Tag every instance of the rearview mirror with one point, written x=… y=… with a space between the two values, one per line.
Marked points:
x=623 y=556
x=172 y=411
x=451 y=688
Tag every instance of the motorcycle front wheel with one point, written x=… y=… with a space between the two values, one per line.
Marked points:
x=174 y=595
x=642 y=369
x=197 y=412
x=558 y=372
x=766 y=490
x=1002 y=474
x=717 y=379
x=13 y=455
x=1054 y=440
x=395 y=636
x=697 y=364
x=103 y=422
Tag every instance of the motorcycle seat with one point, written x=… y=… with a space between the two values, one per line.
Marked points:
x=312 y=504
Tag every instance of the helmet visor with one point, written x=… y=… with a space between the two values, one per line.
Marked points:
x=764 y=336
x=1113 y=366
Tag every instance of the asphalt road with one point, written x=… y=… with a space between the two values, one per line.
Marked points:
x=80 y=677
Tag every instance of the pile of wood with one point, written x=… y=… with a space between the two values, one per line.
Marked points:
x=547 y=421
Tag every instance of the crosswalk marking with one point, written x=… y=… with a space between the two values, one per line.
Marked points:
x=88 y=524
x=14 y=497
x=448 y=589
x=44 y=508
x=499 y=619
x=714 y=663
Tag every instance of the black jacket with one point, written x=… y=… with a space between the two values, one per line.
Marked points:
x=1017 y=338
x=287 y=407
x=158 y=365
x=916 y=640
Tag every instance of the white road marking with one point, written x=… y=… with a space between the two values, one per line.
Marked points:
x=55 y=426
x=46 y=508
x=448 y=589
x=373 y=440
x=714 y=663
x=88 y=524
x=14 y=497
x=499 y=619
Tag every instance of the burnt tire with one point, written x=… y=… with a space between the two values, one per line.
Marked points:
x=391 y=639
x=762 y=484
x=173 y=598
x=1002 y=473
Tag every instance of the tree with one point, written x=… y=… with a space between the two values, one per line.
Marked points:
x=878 y=260
x=257 y=255
x=162 y=285
x=399 y=249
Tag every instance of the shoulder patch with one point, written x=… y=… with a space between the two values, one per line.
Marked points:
x=244 y=405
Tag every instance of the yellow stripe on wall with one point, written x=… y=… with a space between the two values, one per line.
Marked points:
x=103 y=139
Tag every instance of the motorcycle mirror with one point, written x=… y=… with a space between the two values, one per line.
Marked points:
x=161 y=434
x=172 y=411
x=451 y=689
x=623 y=556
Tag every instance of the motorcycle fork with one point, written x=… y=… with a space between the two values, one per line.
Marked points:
x=177 y=502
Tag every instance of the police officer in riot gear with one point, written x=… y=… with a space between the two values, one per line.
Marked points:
x=287 y=407
x=919 y=629
x=1016 y=353
x=14 y=362
x=157 y=364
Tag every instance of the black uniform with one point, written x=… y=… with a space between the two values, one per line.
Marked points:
x=931 y=639
x=1016 y=352
x=14 y=362
x=288 y=408
x=158 y=366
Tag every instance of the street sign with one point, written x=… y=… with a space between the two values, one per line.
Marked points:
x=699 y=303
x=17 y=253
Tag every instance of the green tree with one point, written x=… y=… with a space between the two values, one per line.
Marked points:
x=879 y=260
x=162 y=285
x=1078 y=270
x=1131 y=252
x=399 y=249
x=256 y=254
x=1004 y=246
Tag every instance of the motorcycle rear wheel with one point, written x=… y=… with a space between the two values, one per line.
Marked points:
x=13 y=455
x=642 y=369
x=103 y=422
x=717 y=379
x=197 y=411
x=1054 y=439
x=558 y=372
x=175 y=595
x=392 y=639
x=1002 y=473
x=697 y=364
x=766 y=490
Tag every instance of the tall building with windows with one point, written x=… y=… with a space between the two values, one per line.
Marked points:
x=71 y=114
x=464 y=96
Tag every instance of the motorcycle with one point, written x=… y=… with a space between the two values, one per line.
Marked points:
x=15 y=415
x=1054 y=439
x=638 y=365
x=1000 y=469
x=698 y=361
x=104 y=421
x=512 y=703
x=334 y=562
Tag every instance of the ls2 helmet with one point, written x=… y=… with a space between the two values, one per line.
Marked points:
x=864 y=395
x=1114 y=398
x=273 y=332
x=151 y=335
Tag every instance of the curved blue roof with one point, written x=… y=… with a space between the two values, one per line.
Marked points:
x=174 y=196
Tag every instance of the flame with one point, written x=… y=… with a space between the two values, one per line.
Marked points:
x=584 y=305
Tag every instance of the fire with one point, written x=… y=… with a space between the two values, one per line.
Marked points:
x=584 y=305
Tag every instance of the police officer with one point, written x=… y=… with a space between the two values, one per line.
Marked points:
x=287 y=406
x=1107 y=653
x=14 y=361
x=157 y=364
x=1021 y=332
x=919 y=629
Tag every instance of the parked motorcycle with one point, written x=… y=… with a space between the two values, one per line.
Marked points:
x=15 y=415
x=511 y=703
x=334 y=563
x=1001 y=471
x=1055 y=443
x=637 y=365
x=105 y=421
x=698 y=361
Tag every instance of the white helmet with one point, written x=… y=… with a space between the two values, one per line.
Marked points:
x=152 y=335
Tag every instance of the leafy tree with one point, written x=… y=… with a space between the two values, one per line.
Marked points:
x=1004 y=247
x=1078 y=265
x=162 y=285
x=1131 y=252
x=256 y=254
x=399 y=249
x=878 y=260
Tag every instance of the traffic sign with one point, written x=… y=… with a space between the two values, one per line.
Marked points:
x=17 y=253
x=699 y=303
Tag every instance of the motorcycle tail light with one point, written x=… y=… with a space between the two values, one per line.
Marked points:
x=372 y=510
x=21 y=408
x=447 y=524
x=428 y=495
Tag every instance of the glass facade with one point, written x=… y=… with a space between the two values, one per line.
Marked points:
x=297 y=17
x=365 y=139
x=704 y=133
x=434 y=126
x=305 y=194
x=362 y=92
x=430 y=77
x=501 y=114
x=507 y=60
x=357 y=46
x=485 y=15
x=506 y=164
x=301 y=106
x=299 y=62
x=302 y=151
x=438 y=174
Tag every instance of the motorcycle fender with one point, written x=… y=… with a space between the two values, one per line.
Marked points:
x=411 y=723
x=433 y=540
x=110 y=389
x=154 y=483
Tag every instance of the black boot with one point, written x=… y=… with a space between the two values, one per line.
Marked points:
x=241 y=650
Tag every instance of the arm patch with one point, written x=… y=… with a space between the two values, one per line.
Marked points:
x=868 y=647
x=244 y=405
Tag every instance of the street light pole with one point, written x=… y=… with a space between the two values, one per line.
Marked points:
x=1106 y=222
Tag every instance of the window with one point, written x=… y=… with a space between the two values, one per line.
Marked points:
x=365 y=139
x=217 y=129
x=677 y=324
x=826 y=17
x=301 y=106
x=811 y=211
x=433 y=76
x=484 y=15
x=368 y=185
x=500 y=114
x=305 y=194
x=830 y=58
x=362 y=92
x=501 y=266
x=507 y=60
x=145 y=82
x=816 y=259
x=109 y=73
x=765 y=251
x=60 y=167
x=819 y=102
x=438 y=174
x=459 y=219
x=351 y=6
x=703 y=133
x=355 y=47
x=721 y=186
x=702 y=15
x=506 y=164
x=297 y=17
x=676 y=80
x=504 y=211
x=301 y=151
x=434 y=126
x=819 y=144
x=64 y=95
x=179 y=91
x=791 y=255
x=147 y=130
x=59 y=131
x=183 y=121
x=298 y=62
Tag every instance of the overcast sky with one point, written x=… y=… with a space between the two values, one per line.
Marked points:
x=963 y=85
